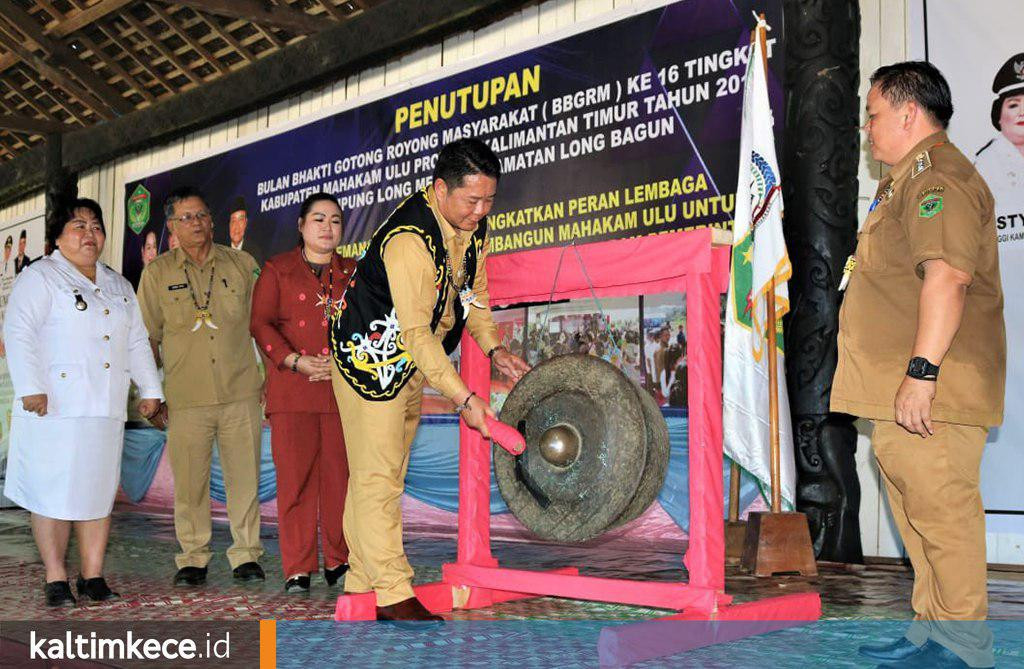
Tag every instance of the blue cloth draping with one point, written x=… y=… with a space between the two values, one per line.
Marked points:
x=433 y=476
x=144 y=446
x=142 y=450
x=675 y=494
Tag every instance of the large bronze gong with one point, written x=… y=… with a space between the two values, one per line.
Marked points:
x=596 y=449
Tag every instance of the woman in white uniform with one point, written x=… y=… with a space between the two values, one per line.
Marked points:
x=1001 y=160
x=75 y=340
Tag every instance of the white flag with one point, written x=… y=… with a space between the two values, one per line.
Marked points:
x=758 y=254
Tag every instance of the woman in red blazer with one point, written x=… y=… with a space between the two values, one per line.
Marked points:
x=291 y=305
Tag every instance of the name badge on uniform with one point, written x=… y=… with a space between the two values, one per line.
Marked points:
x=851 y=264
x=466 y=298
x=177 y=286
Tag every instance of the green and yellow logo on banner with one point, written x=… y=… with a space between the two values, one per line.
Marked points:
x=138 y=208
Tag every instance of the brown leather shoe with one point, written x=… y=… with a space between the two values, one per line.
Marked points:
x=408 y=613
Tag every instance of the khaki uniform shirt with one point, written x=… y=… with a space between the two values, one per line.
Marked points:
x=411 y=273
x=204 y=366
x=933 y=204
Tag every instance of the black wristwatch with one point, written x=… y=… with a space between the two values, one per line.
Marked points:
x=920 y=368
x=490 y=354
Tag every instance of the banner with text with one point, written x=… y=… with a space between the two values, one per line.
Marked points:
x=628 y=128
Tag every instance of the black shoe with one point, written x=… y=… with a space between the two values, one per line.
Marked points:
x=931 y=655
x=889 y=652
x=192 y=576
x=297 y=585
x=95 y=589
x=58 y=593
x=332 y=575
x=250 y=571
x=409 y=614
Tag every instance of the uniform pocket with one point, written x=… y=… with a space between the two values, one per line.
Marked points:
x=178 y=310
x=870 y=248
x=69 y=393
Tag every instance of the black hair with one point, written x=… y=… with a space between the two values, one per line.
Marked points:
x=239 y=204
x=465 y=157
x=308 y=203
x=179 y=194
x=24 y=234
x=997 y=106
x=917 y=81
x=9 y=242
x=66 y=211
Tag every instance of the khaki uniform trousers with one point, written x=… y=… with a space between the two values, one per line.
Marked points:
x=933 y=491
x=378 y=436
x=236 y=426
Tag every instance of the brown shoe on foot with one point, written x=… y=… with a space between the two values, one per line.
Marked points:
x=408 y=611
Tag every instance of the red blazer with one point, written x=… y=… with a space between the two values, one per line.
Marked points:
x=286 y=320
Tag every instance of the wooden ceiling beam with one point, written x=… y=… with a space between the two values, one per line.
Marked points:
x=116 y=68
x=29 y=102
x=32 y=126
x=48 y=8
x=284 y=17
x=333 y=11
x=188 y=39
x=84 y=17
x=77 y=21
x=55 y=76
x=229 y=38
x=62 y=55
x=26 y=139
x=374 y=37
x=144 y=32
x=35 y=80
x=144 y=62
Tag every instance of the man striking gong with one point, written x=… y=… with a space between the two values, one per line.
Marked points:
x=422 y=279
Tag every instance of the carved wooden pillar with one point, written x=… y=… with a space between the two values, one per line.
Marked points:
x=61 y=185
x=821 y=154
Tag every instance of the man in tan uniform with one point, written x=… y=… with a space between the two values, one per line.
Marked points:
x=195 y=302
x=924 y=295
x=422 y=278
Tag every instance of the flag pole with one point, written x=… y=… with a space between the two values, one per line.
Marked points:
x=773 y=400
x=734 y=493
x=775 y=457
x=776 y=542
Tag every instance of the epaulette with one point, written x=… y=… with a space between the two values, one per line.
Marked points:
x=922 y=162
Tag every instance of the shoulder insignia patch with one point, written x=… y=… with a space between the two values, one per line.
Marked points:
x=930 y=206
x=921 y=163
x=256 y=271
x=932 y=189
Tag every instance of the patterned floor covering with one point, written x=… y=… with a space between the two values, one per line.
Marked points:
x=140 y=566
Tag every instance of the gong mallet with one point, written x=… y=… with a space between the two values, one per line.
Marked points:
x=506 y=436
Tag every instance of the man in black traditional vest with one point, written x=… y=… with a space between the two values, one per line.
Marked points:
x=421 y=280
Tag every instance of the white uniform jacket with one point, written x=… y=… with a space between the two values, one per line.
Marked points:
x=82 y=359
x=1002 y=166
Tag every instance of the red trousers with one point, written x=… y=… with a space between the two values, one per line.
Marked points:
x=312 y=479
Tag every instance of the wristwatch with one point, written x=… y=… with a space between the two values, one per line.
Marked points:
x=490 y=354
x=465 y=405
x=920 y=368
